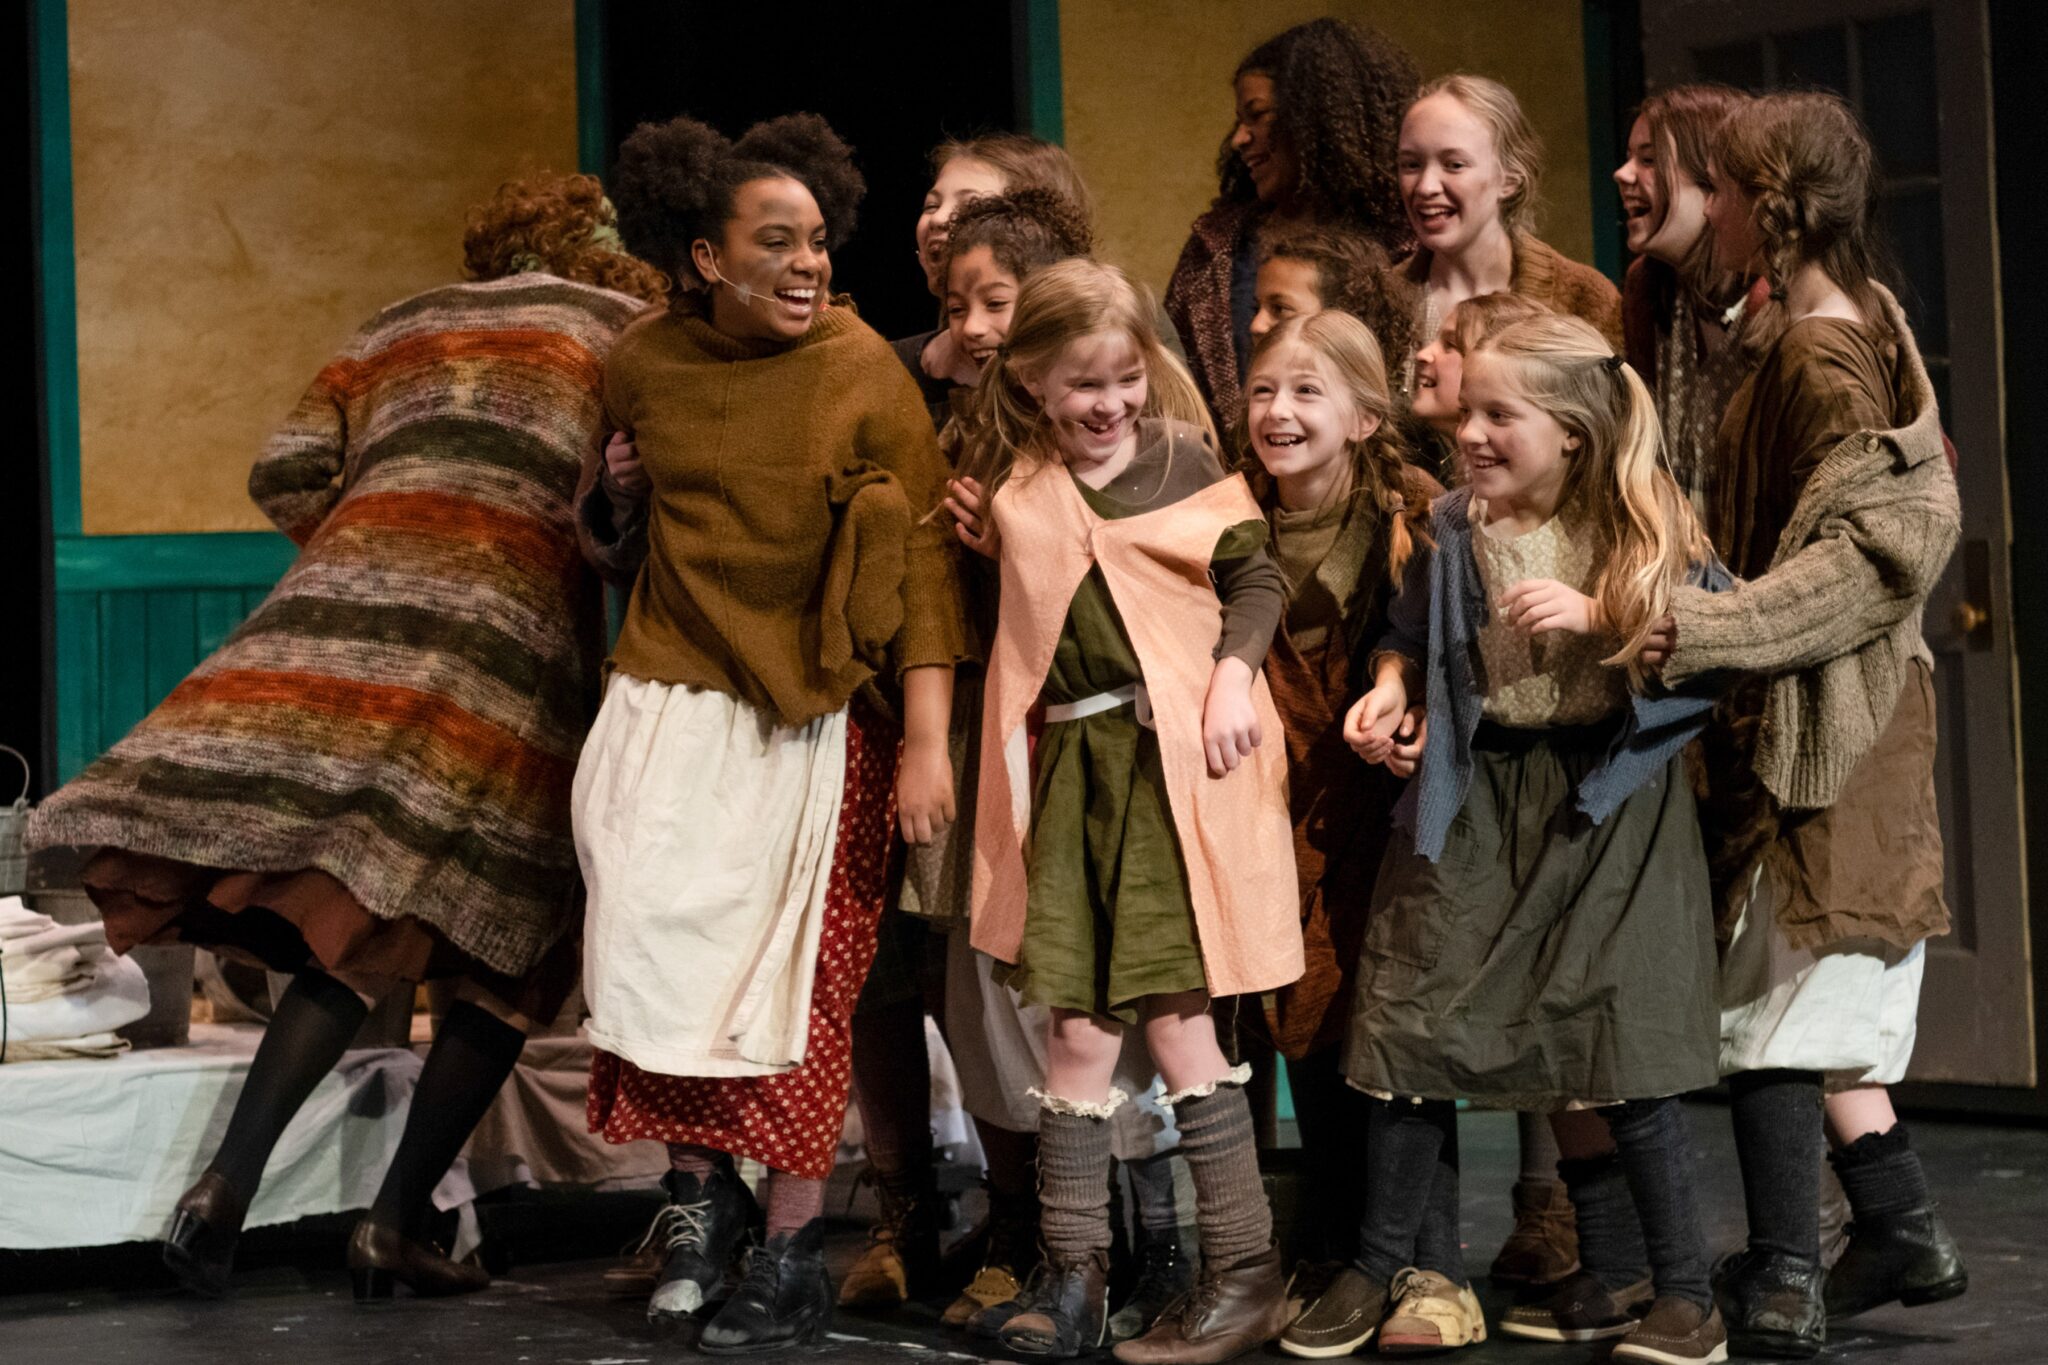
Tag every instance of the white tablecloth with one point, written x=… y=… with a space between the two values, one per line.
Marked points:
x=97 y=1152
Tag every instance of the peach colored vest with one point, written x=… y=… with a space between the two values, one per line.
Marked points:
x=1235 y=838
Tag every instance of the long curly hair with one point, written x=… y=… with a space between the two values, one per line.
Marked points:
x=1025 y=230
x=1808 y=162
x=1380 y=471
x=557 y=224
x=1351 y=275
x=1341 y=90
x=675 y=183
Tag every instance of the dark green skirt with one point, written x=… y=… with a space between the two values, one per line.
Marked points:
x=1108 y=918
x=1544 y=959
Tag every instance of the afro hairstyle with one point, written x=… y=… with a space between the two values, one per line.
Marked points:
x=675 y=182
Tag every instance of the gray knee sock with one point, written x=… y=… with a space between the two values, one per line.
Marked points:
x=1073 y=1184
x=1231 y=1212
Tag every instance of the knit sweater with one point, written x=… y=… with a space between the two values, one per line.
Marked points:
x=1198 y=301
x=1836 y=618
x=404 y=711
x=786 y=559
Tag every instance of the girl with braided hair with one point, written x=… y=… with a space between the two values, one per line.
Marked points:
x=1346 y=512
x=1837 y=506
x=779 y=698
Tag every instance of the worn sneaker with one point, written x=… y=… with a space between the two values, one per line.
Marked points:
x=1164 y=1274
x=1544 y=1247
x=1580 y=1309
x=1430 y=1313
x=1342 y=1318
x=1676 y=1332
x=698 y=1230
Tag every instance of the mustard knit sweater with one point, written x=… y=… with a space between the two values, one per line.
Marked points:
x=787 y=559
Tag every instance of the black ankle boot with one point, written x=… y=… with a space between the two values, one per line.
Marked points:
x=1772 y=1304
x=697 y=1232
x=1164 y=1274
x=1064 y=1310
x=200 y=1248
x=1907 y=1256
x=785 y=1300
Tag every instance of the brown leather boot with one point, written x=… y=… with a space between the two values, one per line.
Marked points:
x=1065 y=1309
x=379 y=1254
x=1230 y=1311
x=1544 y=1247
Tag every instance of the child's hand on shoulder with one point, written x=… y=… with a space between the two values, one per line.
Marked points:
x=1369 y=725
x=976 y=529
x=1230 y=724
x=924 y=791
x=1405 y=755
x=1536 y=605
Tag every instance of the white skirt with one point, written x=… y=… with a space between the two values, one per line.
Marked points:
x=1848 y=1010
x=706 y=836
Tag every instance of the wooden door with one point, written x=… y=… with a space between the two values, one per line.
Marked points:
x=1918 y=73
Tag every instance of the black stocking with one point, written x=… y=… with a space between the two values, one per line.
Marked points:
x=311 y=1027
x=472 y=1055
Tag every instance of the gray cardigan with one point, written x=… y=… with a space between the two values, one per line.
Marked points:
x=1435 y=621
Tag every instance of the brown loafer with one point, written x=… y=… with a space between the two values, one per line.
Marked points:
x=1342 y=1318
x=1229 y=1311
x=379 y=1256
x=1677 y=1332
x=1581 y=1309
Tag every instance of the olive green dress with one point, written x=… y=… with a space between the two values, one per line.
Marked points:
x=1108 y=918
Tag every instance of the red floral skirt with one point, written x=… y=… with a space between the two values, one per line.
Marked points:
x=790 y=1121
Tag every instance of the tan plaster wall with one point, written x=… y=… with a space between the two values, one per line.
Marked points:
x=255 y=178
x=1148 y=99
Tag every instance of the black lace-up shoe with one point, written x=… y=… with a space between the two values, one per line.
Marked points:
x=697 y=1230
x=785 y=1299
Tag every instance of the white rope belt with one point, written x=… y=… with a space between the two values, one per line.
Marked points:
x=1057 y=712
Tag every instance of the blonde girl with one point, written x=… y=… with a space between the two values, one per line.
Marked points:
x=1148 y=869
x=1347 y=513
x=1471 y=169
x=1539 y=936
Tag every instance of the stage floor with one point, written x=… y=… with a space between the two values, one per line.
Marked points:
x=1992 y=1182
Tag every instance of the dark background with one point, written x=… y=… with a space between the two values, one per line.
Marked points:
x=893 y=80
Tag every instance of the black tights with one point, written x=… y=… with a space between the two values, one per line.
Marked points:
x=473 y=1053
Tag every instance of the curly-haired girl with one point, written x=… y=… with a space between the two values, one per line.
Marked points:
x=1318 y=116
x=734 y=803
x=1837 y=505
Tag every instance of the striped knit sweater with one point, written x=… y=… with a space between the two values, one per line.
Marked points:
x=405 y=709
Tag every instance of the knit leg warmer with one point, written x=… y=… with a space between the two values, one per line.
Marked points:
x=1881 y=1174
x=1232 y=1217
x=1073 y=1184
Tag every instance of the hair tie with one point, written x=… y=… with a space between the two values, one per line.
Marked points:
x=1613 y=364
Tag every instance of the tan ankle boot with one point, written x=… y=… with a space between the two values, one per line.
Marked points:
x=1544 y=1247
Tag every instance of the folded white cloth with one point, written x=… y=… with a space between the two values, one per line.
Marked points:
x=93 y=1045
x=119 y=996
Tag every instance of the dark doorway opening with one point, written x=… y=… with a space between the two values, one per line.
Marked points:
x=893 y=80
